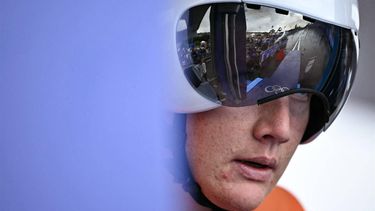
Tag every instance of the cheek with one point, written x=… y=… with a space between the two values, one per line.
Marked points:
x=286 y=153
x=300 y=113
x=200 y=136
x=211 y=132
x=214 y=136
x=298 y=124
x=209 y=146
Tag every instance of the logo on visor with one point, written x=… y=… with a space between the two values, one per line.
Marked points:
x=275 y=89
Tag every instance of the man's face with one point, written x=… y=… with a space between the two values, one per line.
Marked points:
x=237 y=154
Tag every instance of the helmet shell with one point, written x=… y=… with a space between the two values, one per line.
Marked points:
x=181 y=96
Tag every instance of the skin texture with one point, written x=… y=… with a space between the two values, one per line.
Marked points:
x=219 y=137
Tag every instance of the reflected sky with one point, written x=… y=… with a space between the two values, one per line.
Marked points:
x=262 y=20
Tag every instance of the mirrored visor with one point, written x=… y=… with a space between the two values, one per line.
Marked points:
x=238 y=54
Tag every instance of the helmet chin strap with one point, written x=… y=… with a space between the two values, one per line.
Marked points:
x=195 y=191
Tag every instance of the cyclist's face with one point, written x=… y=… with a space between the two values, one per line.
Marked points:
x=238 y=154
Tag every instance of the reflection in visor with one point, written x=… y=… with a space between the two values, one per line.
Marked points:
x=238 y=54
x=237 y=58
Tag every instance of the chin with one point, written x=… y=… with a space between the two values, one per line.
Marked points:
x=239 y=197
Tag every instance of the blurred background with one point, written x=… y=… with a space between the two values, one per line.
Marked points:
x=337 y=171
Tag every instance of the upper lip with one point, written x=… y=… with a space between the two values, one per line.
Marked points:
x=269 y=162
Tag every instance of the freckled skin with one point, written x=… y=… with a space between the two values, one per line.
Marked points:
x=215 y=138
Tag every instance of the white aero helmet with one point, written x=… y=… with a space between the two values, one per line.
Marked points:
x=257 y=51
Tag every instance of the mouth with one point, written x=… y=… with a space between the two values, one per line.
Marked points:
x=253 y=164
x=259 y=162
x=256 y=169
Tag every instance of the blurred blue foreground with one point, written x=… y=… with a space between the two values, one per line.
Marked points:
x=80 y=106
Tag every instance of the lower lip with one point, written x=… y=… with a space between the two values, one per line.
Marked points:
x=252 y=173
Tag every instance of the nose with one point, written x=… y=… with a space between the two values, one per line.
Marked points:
x=273 y=123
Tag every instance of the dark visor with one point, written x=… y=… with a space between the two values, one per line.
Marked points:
x=239 y=54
